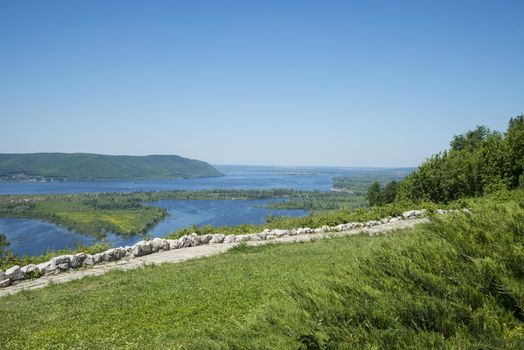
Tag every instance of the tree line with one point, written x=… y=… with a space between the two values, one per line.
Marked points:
x=479 y=162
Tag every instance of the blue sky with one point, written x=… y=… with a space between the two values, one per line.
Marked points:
x=348 y=83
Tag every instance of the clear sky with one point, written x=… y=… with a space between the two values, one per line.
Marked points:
x=348 y=83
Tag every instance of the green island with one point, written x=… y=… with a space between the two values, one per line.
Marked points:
x=128 y=213
x=456 y=282
x=87 y=166
x=358 y=184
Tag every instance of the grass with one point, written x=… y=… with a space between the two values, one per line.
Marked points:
x=455 y=283
x=8 y=259
x=79 y=213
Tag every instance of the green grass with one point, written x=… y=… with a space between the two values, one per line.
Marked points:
x=8 y=259
x=456 y=283
x=79 y=213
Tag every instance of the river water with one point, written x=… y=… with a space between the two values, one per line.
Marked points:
x=33 y=237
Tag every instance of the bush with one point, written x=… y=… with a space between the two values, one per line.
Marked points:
x=479 y=162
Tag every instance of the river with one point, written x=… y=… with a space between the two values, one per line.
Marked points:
x=33 y=237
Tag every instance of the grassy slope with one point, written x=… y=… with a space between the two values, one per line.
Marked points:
x=86 y=166
x=76 y=213
x=455 y=283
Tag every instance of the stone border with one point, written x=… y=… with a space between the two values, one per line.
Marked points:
x=66 y=263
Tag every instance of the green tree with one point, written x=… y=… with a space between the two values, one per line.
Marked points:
x=479 y=161
x=374 y=194
x=515 y=140
x=390 y=192
x=471 y=139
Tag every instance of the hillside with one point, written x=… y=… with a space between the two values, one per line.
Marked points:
x=87 y=166
x=454 y=283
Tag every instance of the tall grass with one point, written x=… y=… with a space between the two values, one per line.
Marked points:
x=455 y=283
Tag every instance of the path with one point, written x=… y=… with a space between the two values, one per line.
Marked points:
x=184 y=254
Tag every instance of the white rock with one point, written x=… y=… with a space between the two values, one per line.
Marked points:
x=189 y=241
x=394 y=220
x=219 y=238
x=156 y=244
x=145 y=247
x=77 y=260
x=205 y=239
x=29 y=269
x=88 y=261
x=230 y=239
x=408 y=214
x=304 y=230
x=411 y=214
x=165 y=244
x=340 y=227
x=62 y=262
x=47 y=267
x=108 y=255
x=137 y=250
x=119 y=253
x=173 y=243
x=279 y=233
x=64 y=267
x=262 y=235
x=192 y=240
x=97 y=258
x=183 y=240
x=15 y=273
x=5 y=282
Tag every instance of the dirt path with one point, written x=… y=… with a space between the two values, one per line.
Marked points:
x=184 y=254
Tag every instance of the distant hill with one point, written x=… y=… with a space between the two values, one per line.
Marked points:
x=87 y=166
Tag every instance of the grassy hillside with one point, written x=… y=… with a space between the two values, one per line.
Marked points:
x=86 y=166
x=455 y=283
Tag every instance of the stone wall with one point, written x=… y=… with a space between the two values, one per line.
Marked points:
x=81 y=260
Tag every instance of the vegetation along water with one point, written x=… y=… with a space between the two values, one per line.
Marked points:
x=455 y=282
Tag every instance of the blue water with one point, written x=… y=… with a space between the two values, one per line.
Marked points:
x=184 y=213
x=236 y=177
x=33 y=237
